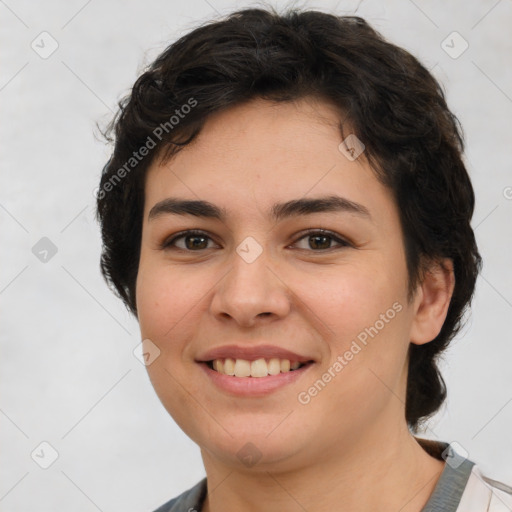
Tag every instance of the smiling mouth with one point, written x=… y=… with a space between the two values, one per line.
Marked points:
x=257 y=368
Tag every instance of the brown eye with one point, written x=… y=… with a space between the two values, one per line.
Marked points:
x=321 y=241
x=192 y=241
x=195 y=242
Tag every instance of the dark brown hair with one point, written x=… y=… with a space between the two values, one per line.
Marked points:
x=392 y=103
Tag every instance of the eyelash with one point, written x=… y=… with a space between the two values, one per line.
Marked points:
x=168 y=243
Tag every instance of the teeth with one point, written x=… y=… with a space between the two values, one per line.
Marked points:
x=258 y=368
x=229 y=366
x=274 y=366
x=242 y=368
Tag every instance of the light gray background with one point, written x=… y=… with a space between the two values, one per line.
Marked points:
x=68 y=373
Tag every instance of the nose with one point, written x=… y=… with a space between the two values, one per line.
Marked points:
x=251 y=292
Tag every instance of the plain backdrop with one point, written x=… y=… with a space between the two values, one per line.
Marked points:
x=69 y=375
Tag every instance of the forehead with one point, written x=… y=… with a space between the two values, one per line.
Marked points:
x=261 y=153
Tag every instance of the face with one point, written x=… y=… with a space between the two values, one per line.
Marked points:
x=271 y=274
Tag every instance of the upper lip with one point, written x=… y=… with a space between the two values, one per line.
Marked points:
x=251 y=353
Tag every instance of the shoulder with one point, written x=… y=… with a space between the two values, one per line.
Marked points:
x=189 y=501
x=483 y=493
x=462 y=486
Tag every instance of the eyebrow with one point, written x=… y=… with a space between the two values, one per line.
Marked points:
x=279 y=211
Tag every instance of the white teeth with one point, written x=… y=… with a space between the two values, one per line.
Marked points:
x=258 y=368
x=242 y=368
x=274 y=366
x=229 y=366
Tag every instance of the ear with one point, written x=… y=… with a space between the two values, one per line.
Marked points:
x=432 y=300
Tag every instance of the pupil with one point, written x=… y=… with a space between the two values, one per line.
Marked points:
x=320 y=237
x=194 y=244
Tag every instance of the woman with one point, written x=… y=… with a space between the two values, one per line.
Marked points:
x=287 y=214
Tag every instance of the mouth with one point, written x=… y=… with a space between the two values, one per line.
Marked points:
x=253 y=371
x=257 y=368
x=257 y=378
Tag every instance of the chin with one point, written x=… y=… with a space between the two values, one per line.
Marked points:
x=254 y=448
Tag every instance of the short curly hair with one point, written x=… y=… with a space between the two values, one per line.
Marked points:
x=413 y=143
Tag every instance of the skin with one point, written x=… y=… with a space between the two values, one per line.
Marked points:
x=349 y=448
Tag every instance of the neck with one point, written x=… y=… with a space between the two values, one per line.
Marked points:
x=388 y=472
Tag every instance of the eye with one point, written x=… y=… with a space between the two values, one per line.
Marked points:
x=196 y=240
x=193 y=240
x=320 y=240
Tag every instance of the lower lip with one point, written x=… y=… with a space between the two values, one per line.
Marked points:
x=253 y=386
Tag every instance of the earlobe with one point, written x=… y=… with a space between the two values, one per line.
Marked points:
x=433 y=299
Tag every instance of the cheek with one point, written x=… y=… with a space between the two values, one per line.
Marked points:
x=348 y=299
x=365 y=319
x=166 y=300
